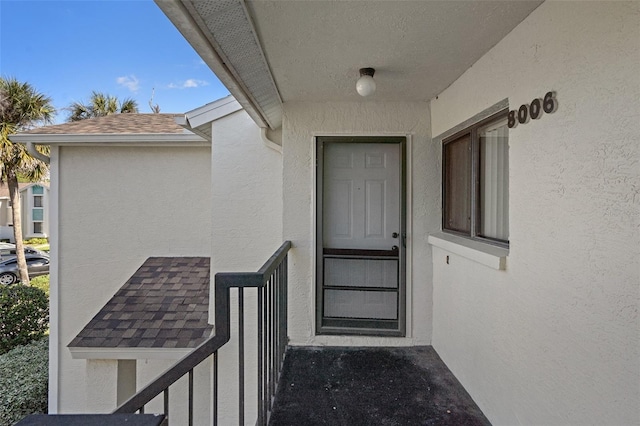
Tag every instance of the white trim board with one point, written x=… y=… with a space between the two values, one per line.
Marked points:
x=54 y=290
x=486 y=254
x=111 y=139
x=210 y=112
x=129 y=353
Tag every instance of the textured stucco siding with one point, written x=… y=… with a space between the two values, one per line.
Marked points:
x=246 y=184
x=4 y=212
x=554 y=339
x=302 y=123
x=117 y=207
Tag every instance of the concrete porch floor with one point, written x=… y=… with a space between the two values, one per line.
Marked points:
x=370 y=386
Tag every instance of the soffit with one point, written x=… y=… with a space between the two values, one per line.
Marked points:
x=222 y=34
x=267 y=51
x=418 y=48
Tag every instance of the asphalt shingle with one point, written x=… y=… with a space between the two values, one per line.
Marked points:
x=165 y=304
x=116 y=124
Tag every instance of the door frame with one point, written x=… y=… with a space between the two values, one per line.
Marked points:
x=321 y=329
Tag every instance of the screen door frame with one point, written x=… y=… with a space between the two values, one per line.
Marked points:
x=352 y=326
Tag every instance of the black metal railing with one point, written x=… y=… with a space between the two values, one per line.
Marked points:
x=271 y=284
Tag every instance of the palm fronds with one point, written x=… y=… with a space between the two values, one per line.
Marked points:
x=99 y=105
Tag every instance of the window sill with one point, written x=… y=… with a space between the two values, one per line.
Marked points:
x=486 y=254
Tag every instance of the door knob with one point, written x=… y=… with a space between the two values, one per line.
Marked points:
x=395 y=235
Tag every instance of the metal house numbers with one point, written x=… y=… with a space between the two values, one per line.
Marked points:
x=534 y=110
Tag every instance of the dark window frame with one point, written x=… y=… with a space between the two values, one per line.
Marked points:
x=41 y=230
x=474 y=175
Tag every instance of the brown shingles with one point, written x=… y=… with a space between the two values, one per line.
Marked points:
x=163 y=305
x=117 y=124
x=4 y=189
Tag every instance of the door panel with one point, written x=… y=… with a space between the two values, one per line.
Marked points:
x=340 y=198
x=375 y=197
x=361 y=255
x=357 y=196
x=361 y=272
x=361 y=304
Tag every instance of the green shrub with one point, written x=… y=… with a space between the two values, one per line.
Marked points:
x=24 y=315
x=41 y=282
x=36 y=241
x=23 y=381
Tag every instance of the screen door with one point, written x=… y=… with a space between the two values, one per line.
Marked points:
x=361 y=236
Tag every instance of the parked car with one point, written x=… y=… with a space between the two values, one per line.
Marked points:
x=37 y=264
x=8 y=250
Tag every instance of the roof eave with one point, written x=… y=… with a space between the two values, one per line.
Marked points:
x=111 y=139
x=185 y=18
x=212 y=111
x=199 y=119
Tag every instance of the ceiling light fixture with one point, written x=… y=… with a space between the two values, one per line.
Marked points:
x=366 y=85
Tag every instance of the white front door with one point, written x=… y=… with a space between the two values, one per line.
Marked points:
x=361 y=251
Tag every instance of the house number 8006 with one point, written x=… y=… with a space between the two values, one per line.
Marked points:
x=533 y=110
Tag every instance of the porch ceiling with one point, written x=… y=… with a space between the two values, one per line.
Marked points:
x=304 y=50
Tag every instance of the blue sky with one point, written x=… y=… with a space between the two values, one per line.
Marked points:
x=124 y=48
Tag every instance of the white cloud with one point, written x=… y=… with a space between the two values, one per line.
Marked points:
x=187 y=84
x=130 y=82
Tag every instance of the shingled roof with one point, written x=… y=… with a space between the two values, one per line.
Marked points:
x=128 y=123
x=164 y=304
x=4 y=188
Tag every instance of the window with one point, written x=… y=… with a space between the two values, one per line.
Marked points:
x=475 y=180
x=37 y=201
x=37 y=227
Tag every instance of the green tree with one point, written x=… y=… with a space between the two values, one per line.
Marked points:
x=100 y=105
x=21 y=108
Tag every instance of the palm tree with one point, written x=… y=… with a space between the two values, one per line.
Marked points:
x=21 y=108
x=100 y=105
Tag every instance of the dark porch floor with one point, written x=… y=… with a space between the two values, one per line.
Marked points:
x=370 y=386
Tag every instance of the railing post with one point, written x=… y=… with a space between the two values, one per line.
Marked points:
x=214 y=407
x=166 y=403
x=261 y=419
x=241 y=356
x=191 y=397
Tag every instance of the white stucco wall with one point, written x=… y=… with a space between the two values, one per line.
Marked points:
x=117 y=207
x=246 y=184
x=6 y=231
x=554 y=339
x=302 y=123
x=100 y=385
x=4 y=212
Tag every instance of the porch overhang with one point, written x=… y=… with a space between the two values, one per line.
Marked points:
x=161 y=312
x=270 y=52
